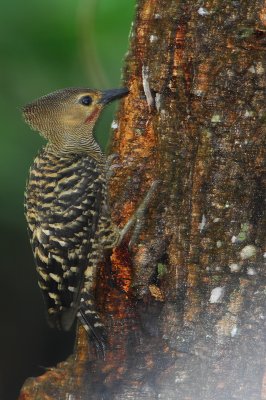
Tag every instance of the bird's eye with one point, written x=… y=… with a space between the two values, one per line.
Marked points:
x=86 y=100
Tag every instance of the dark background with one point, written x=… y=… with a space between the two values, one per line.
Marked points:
x=44 y=46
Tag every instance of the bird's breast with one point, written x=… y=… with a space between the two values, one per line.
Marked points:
x=57 y=183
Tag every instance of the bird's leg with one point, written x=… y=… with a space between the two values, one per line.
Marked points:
x=138 y=218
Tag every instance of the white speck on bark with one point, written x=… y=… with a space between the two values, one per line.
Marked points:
x=252 y=69
x=163 y=115
x=217 y=294
x=69 y=396
x=234 y=331
x=234 y=267
x=114 y=125
x=131 y=31
x=146 y=85
x=216 y=118
x=233 y=239
x=251 y=271
x=202 y=223
x=153 y=38
x=219 y=244
x=198 y=92
x=202 y=11
x=248 y=252
x=230 y=72
x=158 y=101
x=259 y=68
x=248 y=113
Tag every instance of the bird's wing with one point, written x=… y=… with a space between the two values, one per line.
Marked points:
x=66 y=219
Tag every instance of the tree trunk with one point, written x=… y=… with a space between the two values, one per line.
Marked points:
x=184 y=306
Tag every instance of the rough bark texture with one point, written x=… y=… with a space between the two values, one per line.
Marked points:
x=184 y=307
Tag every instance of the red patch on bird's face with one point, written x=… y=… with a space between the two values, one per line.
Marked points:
x=93 y=115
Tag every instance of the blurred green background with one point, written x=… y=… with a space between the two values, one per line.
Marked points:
x=45 y=45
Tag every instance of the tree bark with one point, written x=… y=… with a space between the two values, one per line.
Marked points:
x=184 y=306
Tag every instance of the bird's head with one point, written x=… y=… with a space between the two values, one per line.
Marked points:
x=66 y=117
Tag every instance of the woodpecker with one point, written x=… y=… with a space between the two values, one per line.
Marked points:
x=66 y=204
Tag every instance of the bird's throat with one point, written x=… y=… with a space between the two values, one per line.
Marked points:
x=93 y=116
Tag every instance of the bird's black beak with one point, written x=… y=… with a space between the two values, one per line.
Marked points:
x=112 y=94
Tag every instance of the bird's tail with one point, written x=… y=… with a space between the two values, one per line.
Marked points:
x=91 y=321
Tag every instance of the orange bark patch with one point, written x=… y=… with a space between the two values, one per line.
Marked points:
x=179 y=51
x=121 y=268
x=203 y=80
x=133 y=135
x=262 y=15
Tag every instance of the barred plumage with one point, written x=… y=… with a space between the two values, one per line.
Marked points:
x=66 y=204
